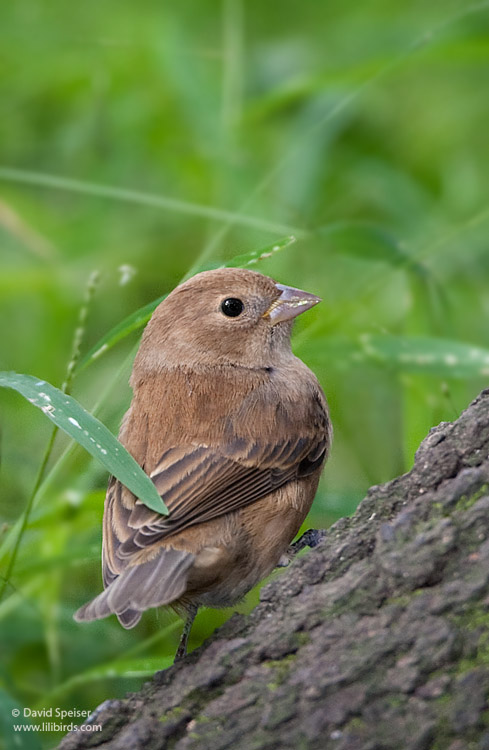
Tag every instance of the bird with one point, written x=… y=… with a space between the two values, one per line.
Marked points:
x=234 y=430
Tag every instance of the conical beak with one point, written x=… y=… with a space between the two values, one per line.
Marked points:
x=292 y=302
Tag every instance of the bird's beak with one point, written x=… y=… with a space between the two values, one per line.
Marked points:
x=292 y=302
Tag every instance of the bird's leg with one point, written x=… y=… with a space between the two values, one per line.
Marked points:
x=310 y=538
x=182 y=646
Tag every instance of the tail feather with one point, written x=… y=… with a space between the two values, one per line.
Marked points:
x=129 y=618
x=159 y=581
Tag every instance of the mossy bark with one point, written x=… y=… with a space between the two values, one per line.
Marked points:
x=376 y=639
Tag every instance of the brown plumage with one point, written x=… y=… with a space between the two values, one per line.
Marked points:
x=234 y=431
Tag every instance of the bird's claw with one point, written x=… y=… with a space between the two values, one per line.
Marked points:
x=284 y=561
x=310 y=538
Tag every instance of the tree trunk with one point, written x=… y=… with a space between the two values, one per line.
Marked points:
x=376 y=639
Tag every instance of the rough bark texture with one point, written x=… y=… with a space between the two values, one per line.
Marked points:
x=378 y=638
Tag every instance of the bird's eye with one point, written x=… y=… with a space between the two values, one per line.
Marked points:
x=232 y=307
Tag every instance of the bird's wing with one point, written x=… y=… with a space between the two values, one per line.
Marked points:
x=116 y=531
x=199 y=482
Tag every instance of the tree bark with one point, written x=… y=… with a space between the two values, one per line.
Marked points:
x=376 y=639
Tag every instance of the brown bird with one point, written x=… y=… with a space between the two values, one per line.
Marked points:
x=234 y=430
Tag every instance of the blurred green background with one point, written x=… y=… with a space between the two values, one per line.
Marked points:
x=164 y=136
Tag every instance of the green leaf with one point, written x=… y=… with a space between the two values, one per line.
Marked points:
x=417 y=354
x=430 y=356
x=72 y=418
x=138 y=319
x=249 y=259
x=11 y=713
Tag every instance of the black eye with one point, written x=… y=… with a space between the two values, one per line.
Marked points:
x=232 y=307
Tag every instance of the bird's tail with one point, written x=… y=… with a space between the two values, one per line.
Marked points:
x=159 y=581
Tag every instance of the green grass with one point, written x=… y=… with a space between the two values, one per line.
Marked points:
x=170 y=138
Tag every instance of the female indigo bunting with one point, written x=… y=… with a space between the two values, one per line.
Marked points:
x=234 y=430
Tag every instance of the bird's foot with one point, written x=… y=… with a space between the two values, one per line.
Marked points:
x=310 y=538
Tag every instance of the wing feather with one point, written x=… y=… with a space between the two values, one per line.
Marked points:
x=199 y=482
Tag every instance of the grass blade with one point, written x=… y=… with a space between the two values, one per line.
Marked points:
x=126 y=195
x=415 y=354
x=87 y=431
x=249 y=259
x=430 y=356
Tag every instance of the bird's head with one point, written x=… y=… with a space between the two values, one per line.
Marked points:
x=224 y=317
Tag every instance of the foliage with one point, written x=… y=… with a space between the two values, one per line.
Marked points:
x=149 y=142
x=88 y=432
